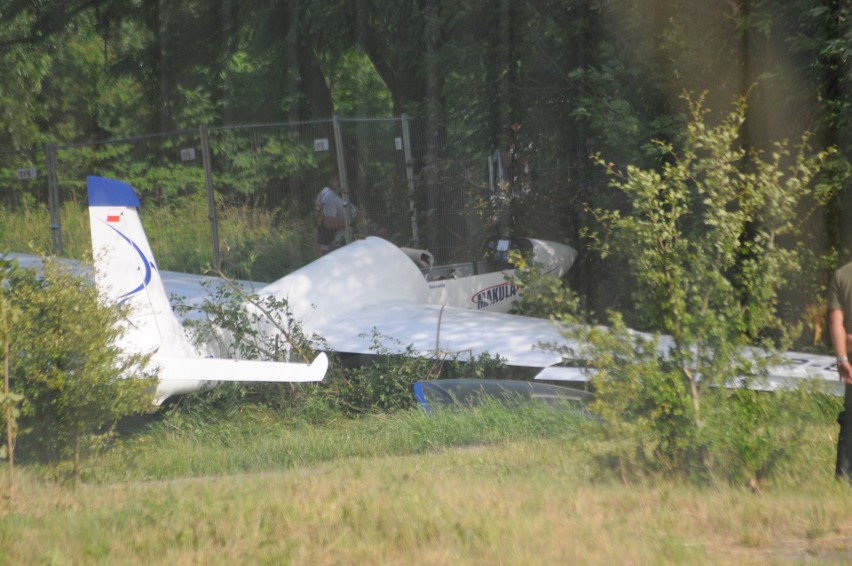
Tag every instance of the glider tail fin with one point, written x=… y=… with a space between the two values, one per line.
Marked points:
x=126 y=271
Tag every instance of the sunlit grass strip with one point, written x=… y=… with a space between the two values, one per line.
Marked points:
x=515 y=502
x=261 y=441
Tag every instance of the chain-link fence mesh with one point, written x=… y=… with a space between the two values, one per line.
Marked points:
x=24 y=196
x=242 y=198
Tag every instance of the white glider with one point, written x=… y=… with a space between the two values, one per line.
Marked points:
x=371 y=291
x=125 y=272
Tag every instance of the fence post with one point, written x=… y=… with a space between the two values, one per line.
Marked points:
x=409 y=173
x=211 y=201
x=344 y=178
x=53 y=204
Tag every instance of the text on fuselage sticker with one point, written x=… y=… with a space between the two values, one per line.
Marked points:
x=492 y=295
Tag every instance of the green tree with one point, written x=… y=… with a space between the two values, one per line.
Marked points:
x=64 y=358
x=23 y=70
x=710 y=240
x=9 y=399
x=821 y=40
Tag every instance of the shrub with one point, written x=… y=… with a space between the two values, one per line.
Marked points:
x=710 y=240
x=253 y=327
x=63 y=357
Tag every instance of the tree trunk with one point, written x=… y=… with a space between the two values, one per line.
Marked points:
x=314 y=84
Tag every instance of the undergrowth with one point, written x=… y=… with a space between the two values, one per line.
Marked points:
x=254 y=243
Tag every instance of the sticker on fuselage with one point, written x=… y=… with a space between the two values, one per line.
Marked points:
x=492 y=295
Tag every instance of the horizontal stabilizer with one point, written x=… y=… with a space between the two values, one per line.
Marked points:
x=216 y=369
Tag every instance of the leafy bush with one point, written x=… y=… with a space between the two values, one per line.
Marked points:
x=62 y=357
x=650 y=419
x=540 y=294
x=253 y=327
x=384 y=384
x=710 y=241
x=242 y=325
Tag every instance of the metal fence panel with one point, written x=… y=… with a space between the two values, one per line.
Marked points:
x=376 y=181
x=269 y=176
x=24 y=215
x=167 y=172
x=242 y=198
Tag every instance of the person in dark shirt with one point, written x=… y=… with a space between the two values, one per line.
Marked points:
x=840 y=330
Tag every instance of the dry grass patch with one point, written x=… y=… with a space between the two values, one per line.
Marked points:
x=513 y=504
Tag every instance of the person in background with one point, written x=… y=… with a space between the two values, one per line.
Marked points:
x=840 y=330
x=331 y=217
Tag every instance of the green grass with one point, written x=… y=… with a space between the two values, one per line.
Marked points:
x=182 y=445
x=477 y=487
x=254 y=243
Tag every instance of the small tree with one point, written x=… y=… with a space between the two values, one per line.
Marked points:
x=9 y=400
x=263 y=327
x=710 y=240
x=64 y=357
x=243 y=325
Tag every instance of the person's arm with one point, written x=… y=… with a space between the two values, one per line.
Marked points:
x=840 y=341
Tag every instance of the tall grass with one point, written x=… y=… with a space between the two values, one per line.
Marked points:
x=190 y=445
x=478 y=487
x=489 y=485
x=256 y=244
x=25 y=231
x=29 y=231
